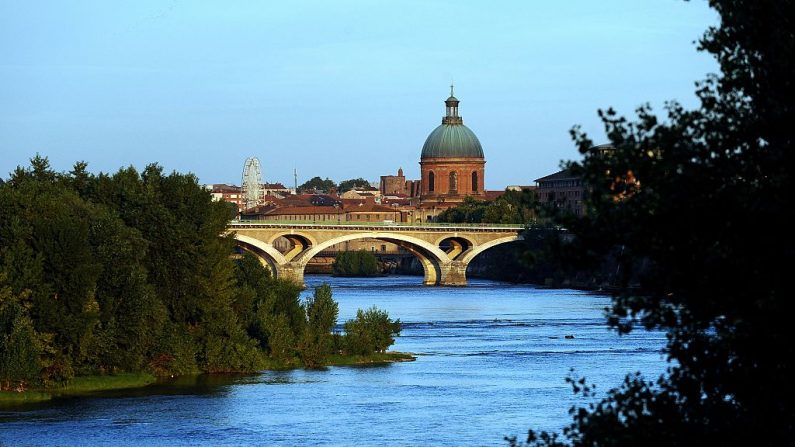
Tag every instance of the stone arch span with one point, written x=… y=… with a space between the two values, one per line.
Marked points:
x=454 y=245
x=467 y=256
x=469 y=241
x=431 y=257
x=266 y=253
x=308 y=239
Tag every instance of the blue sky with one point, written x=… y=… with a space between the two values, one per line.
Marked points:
x=339 y=89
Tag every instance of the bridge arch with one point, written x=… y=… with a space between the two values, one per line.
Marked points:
x=469 y=241
x=454 y=245
x=467 y=256
x=431 y=257
x=308 y=239
x=265 y=252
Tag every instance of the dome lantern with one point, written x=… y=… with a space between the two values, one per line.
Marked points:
x=452 y=110
x=452 y=138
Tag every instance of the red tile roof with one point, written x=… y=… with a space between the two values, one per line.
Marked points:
x=304 y=211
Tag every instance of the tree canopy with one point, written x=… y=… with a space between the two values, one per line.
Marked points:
x=355 y=263
x=699 y=204
x=347 y=185
x=134 y=271
x=317 y=184
x=512 y=207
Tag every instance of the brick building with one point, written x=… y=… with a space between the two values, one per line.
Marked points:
x=563 y=189
x=452 y=164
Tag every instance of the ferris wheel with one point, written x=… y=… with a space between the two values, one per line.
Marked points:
x=251 y=185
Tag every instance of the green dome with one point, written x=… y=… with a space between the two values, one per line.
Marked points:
x=452 y=140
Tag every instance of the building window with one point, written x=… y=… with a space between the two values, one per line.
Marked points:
x=474 y=181
x=431 y=185
x=454 y=181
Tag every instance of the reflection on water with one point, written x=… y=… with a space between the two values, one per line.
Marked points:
x=492 y=359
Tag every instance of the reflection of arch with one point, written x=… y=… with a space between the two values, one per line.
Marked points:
x=453 y=181
x=431 y=181
x=467 y=256
x=474 y=181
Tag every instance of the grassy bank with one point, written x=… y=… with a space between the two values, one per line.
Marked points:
x=342 y=360
x=378 y=357
x=88 y=384
x=80 y=385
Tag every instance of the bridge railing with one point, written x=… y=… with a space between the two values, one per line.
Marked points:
x=376 y=224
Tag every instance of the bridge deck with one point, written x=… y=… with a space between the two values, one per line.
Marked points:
x=379 y=226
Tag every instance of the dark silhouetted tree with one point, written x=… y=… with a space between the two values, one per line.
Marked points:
x=705 y=199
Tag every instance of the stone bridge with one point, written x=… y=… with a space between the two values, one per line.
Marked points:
x=444 y=251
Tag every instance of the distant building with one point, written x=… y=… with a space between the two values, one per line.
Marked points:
x=275 y=189
x=393 y=184
x=226 y=193
x=398 y=185
x=452 y=164
x=234 y=194
x=452 y=167
x=361 y=192
x=366 y=211
x=562 y=189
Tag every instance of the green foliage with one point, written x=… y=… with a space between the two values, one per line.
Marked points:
x=123 y=272
x=355 y=263
x=176 y=352
x=21 y=347
x=699 y=208
x=347 y=185
x=280 y=336
x=371 y=331
x=104 y=274
x=321 y=313
x=512 y=207
x=317 y=184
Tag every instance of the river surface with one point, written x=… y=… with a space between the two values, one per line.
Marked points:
x=491 y=361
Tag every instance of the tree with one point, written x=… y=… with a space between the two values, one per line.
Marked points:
x=371 y=331
x=21 y=347
x=321 y=314
x=355 y=263
x=700 y=204
x=317 y=184
x=513 y=207
x=347 y=185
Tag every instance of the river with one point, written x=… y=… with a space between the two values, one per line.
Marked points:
x=491 y=361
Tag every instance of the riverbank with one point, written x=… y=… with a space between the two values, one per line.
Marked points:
x=79 y=386
x=83 y=385
x=342 y=360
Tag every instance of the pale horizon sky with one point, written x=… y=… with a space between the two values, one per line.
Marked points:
x=338 y=89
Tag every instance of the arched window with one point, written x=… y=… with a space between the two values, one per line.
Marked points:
x=474 y=181
x=453 y=181
x=431 y=185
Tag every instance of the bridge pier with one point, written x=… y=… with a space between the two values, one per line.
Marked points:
x=454 y=273
x=293 y=271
